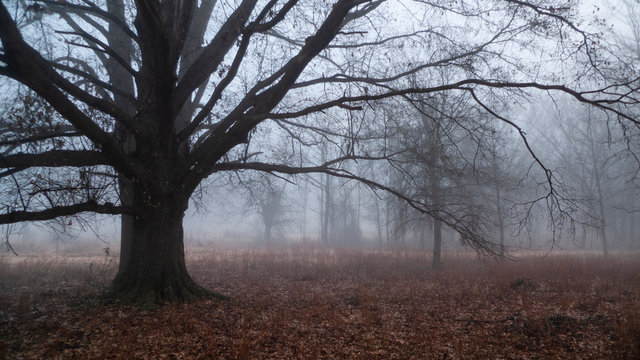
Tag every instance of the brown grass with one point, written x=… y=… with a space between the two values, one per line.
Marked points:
x=328 y=304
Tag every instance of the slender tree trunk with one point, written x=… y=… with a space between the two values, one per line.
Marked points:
x=500 y=221
x=322 y=204
x=345 y=219
x=437 y=244
x=402 y=229
x=305 y=201
x=267 y=234
x=378 y=222
x=605 y=241
x=632 y=232
x=423 y=234
x=434 y=181
x=602 y=227
x=597 y=175
x=328 y=210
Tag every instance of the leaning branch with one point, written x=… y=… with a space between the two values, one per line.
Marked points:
x=27 y=66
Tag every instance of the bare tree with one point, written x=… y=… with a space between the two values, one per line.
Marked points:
x=198 y=99
x=594 y=164
x=268 y=197
x=439 y=159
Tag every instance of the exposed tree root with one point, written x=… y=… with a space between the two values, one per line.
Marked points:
x=150 y=296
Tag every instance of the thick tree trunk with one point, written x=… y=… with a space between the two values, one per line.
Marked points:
x=155 y=272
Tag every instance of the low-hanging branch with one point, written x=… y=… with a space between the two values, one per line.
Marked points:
x=470 y=236
x=58 y=211
x=54 y=158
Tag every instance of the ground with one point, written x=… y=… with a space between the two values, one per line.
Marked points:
x=303 y=303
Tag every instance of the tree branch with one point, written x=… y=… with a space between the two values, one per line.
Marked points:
x=239 y=122
x=54 y=158
x=470 y=235
x=94 y=80
x=601 y=103
x=64 y=131
x=57 y=211
x=92 y=9
x=103 y=48
x=214 y=53
x=27 y=66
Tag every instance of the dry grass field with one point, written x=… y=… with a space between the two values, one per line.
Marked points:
x=329 y=304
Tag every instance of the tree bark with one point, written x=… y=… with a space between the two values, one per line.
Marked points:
x=156 y=271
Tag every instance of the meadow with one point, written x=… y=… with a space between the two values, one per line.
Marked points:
x=313 y=303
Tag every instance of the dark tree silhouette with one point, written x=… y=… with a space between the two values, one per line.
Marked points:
x=151 y=97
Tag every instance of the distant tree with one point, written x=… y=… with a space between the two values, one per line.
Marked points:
x=161 y=95
x=268 y=197
x=504 y=183
x=339 y=200
x=593 y=162
x=438 y=158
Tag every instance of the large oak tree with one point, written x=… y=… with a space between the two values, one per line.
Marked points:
x=146 y=99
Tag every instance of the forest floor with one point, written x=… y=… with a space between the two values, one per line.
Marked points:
x=329 y=304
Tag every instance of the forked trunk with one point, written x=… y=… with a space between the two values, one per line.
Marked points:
x=155 y=272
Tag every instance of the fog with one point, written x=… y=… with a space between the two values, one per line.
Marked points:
x=497 y=169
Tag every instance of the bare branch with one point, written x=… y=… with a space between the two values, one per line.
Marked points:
x=63 y=131
x=58 y=211
x=91 y=9
x=54 y=158
x=604 y=103
x=27 y=66
x=470 y=235
x=103 y=48
x=214 y=53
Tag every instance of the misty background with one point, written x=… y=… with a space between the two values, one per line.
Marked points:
x=484 y=172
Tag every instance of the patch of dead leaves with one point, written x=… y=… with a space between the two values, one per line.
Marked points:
x=340 y=305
